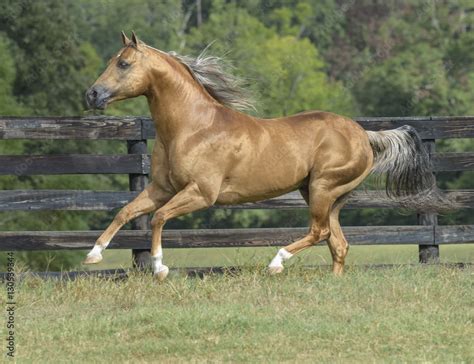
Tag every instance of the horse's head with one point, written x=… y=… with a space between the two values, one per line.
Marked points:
x=127 y=75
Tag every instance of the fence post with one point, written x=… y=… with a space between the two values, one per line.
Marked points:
x=137 y=182
x=428 y=253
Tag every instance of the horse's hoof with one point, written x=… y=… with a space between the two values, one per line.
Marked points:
x=275 y=270
x=93 y=259
x=161 y=275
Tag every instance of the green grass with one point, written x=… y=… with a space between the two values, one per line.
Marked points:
x=406 y=314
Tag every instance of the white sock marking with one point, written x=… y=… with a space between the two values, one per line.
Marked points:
x=157 y=262
x=96 y=250
x=280 y=257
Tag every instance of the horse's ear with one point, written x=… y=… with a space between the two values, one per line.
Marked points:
x=125 y=39
x=134 y=39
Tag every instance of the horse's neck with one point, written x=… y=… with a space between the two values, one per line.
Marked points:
x=177 y=113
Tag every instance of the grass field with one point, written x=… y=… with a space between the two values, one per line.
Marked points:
x=406 y=314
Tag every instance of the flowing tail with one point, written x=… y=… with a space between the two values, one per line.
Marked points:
x=401 y=156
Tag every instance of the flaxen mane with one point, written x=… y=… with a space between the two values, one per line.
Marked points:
x=226 y=88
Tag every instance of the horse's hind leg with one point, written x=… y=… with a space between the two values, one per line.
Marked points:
x=321 y=200
x=337 y=242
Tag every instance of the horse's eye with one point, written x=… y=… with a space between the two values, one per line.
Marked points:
x=123 y=64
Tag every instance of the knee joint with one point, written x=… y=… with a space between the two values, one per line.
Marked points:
x=158 y=219
x=340 y=251
x=123 y=216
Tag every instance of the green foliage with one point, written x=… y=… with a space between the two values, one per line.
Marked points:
x=419 y=64
x=320 y=21
x=8 y=104
x=159 y=23
x=50 y=63
x=296 y=82
x=413 y=82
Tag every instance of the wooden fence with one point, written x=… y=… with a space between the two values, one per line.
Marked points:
x=135 y=132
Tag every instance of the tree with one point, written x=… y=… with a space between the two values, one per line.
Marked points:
x=159 y=23
x=286 y=72
x=50 y=63
x=8 y=103
x=413 y=82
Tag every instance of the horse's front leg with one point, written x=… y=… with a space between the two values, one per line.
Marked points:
x=150 y=199
x=187 y=200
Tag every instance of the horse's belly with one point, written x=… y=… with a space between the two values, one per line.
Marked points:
x=234 y=197
x=258 y=186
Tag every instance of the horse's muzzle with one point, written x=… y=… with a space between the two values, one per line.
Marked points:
x=97 y=97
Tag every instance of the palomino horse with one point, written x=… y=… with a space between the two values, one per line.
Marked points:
x=206 y=152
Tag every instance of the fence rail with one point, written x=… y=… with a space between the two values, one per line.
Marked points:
x=140 y=128
x=136 y=163
x=221 y=238
x=85 y=200
x=27 y=165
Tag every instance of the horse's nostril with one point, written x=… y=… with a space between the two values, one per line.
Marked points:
x=91 y=96
x=97 y=96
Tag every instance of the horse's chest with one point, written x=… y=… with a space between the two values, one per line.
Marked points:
x=171 y=167
x=182 y=168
